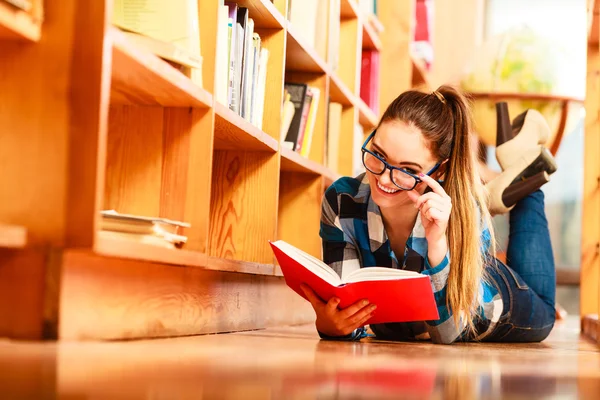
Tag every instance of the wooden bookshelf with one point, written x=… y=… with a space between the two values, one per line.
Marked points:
x=370 y=38
x=301 y=57
x=233 y=132
x=339 y=92
x=13 y=236
x=19 y=25
x=141 y=78
x=112 y=126
x=348 y=9
x=367 y=117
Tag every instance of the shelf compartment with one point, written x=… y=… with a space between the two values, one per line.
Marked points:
x=13 y=236
x=370 y=38
x=264 y=13
x=339 y=92
x=17 y=24
x=232 y=132
x=291 y=161
x=141 y=78
x=242 y=204
x=366 y=116
x=300 y=211
x=300 y=56
x=348 y=9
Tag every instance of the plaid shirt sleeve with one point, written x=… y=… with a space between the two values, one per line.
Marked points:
x=445 y=330
x=338 y=251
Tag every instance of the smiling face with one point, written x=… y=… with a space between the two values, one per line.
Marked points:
x=400 y=145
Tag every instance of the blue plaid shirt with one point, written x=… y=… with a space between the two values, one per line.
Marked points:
x=354 y=237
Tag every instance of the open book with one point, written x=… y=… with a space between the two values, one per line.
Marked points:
x=400 y=295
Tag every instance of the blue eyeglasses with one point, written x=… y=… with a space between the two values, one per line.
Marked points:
x=401 y=178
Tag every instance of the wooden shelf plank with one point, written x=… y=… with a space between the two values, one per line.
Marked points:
x=17 y=24
x=419 y=73
x=13 y=236
x=141 y=78
x=348 y=9
x=299 y=56
x=233 y=132
x=264 y=13
x=366 y=116
x=294 y=162
x=370 y=38
x=108 y=246
x=339 y=92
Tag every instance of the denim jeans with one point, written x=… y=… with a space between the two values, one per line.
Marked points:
x=528 y=283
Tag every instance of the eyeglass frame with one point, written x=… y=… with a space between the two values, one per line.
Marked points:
x=391 y=167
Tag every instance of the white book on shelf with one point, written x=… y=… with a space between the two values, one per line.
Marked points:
x=303 y=18
x=262 y=81
x=237 y=77
x=256 y=45
x=222 y=56
x=247 y=69
x=333 y=47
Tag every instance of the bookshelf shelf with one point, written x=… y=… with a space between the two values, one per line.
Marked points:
x=348 y=9
x=339 y=92
x=13 y=236
x=291 y=161
x=122 y=248
x=419 y=74
x=366 y=116
x=370 y=38
x=299 y=56
x=233 y=132
x=16 y=24
x=141 y=78
x=264 y=13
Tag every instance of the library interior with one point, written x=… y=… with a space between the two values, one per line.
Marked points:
x=207 y=199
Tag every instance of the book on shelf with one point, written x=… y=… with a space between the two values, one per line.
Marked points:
x=240 y=78
x=167 y=28
x=297 y=93
x=369 y=79
x=304 y=119
x=144 y=229
x=400 y=295
x=24 y=5
x=358 y=139
x=309 y=129
x=421 y=46
x=333 y=44
x=287 y=114
x=305 y=17
x=334 y=127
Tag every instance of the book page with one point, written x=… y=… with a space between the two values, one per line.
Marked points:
x=311 y=263
x=379 y=274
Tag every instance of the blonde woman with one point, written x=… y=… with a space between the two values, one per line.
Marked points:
x=421 y=206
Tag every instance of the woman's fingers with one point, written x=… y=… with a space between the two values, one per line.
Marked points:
x=434 y=185
x=360 y=323
x=360 y=315
x=353 y=309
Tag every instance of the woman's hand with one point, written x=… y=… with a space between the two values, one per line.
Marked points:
x=334 y=322
x=435 y=208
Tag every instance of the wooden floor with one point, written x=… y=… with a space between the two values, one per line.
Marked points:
x=291 y=363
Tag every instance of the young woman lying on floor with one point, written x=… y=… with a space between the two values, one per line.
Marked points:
x=421 y=205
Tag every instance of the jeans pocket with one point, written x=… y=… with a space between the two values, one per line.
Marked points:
x=519 y=282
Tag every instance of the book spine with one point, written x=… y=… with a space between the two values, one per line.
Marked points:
x=305 y=110
x=310 y=126
x=297 y=93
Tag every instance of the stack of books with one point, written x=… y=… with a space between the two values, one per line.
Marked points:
x=160 y=232
x=167 y=28
x=299 y=120
x=241 y=70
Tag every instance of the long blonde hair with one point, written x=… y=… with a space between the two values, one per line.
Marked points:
x=444 y=118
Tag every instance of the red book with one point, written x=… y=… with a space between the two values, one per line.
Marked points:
x=369 y=79
x=400 y=295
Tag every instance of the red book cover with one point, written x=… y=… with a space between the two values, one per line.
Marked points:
x=369 y=79
x=408 y=297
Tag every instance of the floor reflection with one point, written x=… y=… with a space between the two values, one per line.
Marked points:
x=293 y=364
